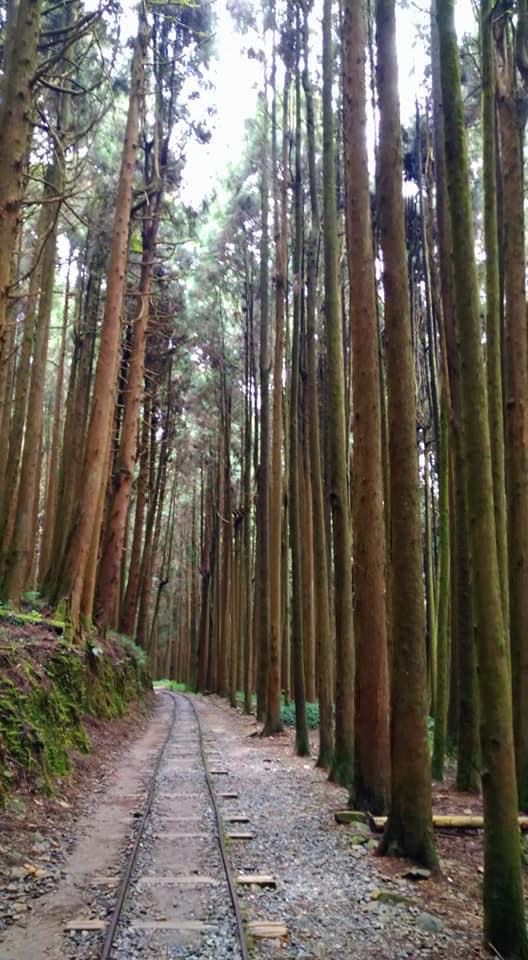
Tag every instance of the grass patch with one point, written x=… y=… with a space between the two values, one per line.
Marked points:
x=172 y=685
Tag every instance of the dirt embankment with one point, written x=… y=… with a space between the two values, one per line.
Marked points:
x=50 y=691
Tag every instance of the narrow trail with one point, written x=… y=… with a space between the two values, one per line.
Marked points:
x=149 y=876
x=315 y=887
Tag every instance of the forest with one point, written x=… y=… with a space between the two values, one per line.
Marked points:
x=278 y=436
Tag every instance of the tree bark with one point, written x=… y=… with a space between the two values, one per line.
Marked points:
x=504 y=923
x=342 y=770
x=372 y=756
x=107 y=367
x=409 y=828
x=15 y=132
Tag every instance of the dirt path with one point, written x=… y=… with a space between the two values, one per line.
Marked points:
x=101 y=838
x=337 y=900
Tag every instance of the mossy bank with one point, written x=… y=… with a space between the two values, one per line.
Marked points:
x=48 y=688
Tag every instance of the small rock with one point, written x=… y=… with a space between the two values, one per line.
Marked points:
x=358 y=838
x=416 y=873
x=428 y=924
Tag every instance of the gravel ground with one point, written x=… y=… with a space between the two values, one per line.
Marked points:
x=335 y=897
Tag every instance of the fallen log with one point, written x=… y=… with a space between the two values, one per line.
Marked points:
x=451 y=822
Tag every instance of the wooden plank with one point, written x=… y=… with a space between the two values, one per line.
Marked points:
x=183 y=925
x=81 y=924
x=194 y=880
x=350 y=816
x=178 y=796
x=228 y=796
x=240 y=836
x=219 y=773
x=181 y=836
x=169 y=818
x=267 y=930
x=236 y=818
x=256 y=879
x=452 y=822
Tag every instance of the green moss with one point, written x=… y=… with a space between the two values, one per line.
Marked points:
x=17 y=616
x=46 y=692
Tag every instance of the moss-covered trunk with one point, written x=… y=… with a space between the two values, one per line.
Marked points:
x=511 y=129
x=504 y=921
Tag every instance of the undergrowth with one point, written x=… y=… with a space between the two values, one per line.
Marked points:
x=171 y=685
x=48 y=687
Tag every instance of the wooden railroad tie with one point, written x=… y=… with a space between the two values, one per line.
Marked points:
x=257 y=880
x=184 y=925
x=80 y=924
x=267 y=930
x=236 y=818
x=182 y=836
x=192 y=880
x=219 y=773
x=240 y=836
x=228 y=796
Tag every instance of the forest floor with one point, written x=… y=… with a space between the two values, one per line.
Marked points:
x=336 y=897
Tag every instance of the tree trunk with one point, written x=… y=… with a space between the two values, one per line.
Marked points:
x=494 y=365
x=504 y=923
x=409 y=828
x=302 y=745
x=15 y=133
x=129 y=612
x=262 y=559
x=372 y=757
x=107 y=367
x=511 y=127
x=273 y=715
x=322 y=595
x=22 y=545
x=112 y=555
x=342 y=770
x=51 y=490
x=442 y=632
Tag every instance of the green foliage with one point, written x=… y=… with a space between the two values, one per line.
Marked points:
x=47 y=688
x=171 y=685
x=131 y=647
x=312 y=715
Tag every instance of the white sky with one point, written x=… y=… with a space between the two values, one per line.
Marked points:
x=236 y=79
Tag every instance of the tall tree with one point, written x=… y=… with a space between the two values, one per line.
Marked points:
x=273 y=717
x=320 y=546
x=342 y=770
x=93 y=477
x=409 y=829
x=511 y=129
x=15 y=129
x=504 y=922
x=372 y=771
x=301 y=730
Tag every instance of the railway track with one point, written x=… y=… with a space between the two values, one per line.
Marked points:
x=177 y=896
